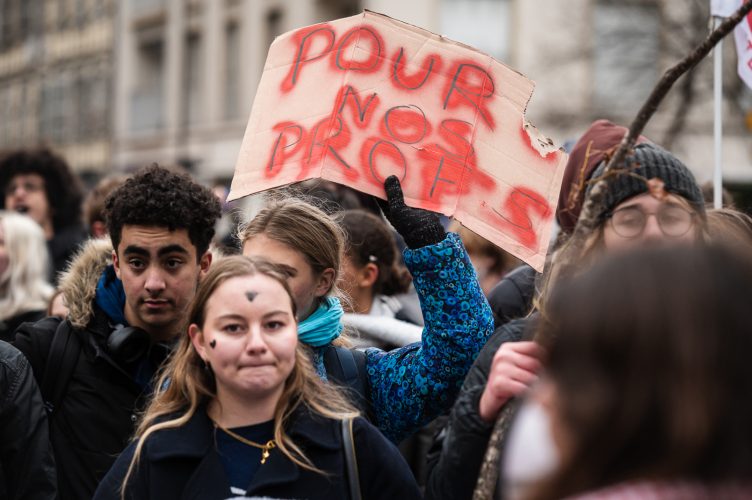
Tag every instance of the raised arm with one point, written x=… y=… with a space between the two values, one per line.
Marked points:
x=412 y=385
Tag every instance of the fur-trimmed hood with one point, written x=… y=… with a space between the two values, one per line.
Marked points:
x=78 y=283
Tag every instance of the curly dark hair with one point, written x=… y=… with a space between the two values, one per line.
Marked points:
x=62 y=188
x=156 y=196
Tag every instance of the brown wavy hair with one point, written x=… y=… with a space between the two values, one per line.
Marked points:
x=648 y=356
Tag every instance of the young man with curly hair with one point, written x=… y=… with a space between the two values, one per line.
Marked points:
x=127 y=301
x=40 y=184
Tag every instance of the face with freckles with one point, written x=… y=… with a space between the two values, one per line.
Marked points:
x=249 y=337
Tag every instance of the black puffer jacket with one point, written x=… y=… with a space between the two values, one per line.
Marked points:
x=27 y=469
x=457 y=453
x=512 y=297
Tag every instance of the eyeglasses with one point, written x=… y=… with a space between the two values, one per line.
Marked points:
x=630 y=222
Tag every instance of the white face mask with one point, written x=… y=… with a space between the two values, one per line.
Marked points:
x=530 y=453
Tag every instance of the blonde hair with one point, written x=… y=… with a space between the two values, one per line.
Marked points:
x=23 y=284
x=729 y=226
x=303 y=227
x=185 y=384
x=306 y=228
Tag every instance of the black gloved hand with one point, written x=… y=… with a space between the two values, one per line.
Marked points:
x=418 y=227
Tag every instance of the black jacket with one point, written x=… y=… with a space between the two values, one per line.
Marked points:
x=182 y=463
x=96 y=417
x=27 y=469
x=512 y=297
x=8 y=326
x=457 y=454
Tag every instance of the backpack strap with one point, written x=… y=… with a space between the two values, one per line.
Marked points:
x=61 y=361
x=347 y=367
x=351 y=460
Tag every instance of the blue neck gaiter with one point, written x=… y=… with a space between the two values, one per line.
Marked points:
x=324 y=325
x=110 y=296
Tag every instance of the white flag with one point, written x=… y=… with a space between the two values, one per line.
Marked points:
x=743 y=37
x=724 y=8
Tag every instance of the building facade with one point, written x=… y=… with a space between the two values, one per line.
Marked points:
x=119 y=84
x=187 y=75
x=56 y=76
x=600 y=59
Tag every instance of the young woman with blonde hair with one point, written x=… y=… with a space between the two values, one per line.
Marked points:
x=24 y=264
x=403 y=389
x=241 y=411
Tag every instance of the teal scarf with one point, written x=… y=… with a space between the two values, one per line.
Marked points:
x=324 y=325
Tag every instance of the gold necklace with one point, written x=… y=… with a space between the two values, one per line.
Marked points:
x=265 y=448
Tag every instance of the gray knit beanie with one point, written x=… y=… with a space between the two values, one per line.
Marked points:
x=648 y=162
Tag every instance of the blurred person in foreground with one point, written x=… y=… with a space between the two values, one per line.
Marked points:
x=40 y=184
x=647 y=381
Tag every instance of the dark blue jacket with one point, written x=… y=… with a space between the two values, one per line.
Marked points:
x=182 y=463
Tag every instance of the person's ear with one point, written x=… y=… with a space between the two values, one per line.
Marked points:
x=198 y=340
x=325 y=282
x=204 y=264
x=368 y=275
x=116 y=264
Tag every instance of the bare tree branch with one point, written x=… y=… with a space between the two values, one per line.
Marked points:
x=593 y=204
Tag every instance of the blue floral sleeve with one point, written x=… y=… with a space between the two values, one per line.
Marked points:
x=412 y=385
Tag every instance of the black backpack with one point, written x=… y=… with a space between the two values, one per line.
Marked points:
x=61 y=361
x=347 y=368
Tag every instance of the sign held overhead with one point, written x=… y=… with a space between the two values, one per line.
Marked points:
x=361 y=98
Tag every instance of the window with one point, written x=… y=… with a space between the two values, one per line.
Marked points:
x=194 y=69
x=93 y=98
x=273 y=26
x=53 y=124
x=483 y=24
x=146 y=98
x=626 y=49
x=232 y=72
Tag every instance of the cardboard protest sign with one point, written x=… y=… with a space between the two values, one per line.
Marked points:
x=358 y=99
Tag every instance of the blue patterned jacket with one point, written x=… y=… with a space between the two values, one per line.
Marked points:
x=413 y=385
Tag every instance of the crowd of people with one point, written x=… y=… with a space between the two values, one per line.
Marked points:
x=352 y=347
